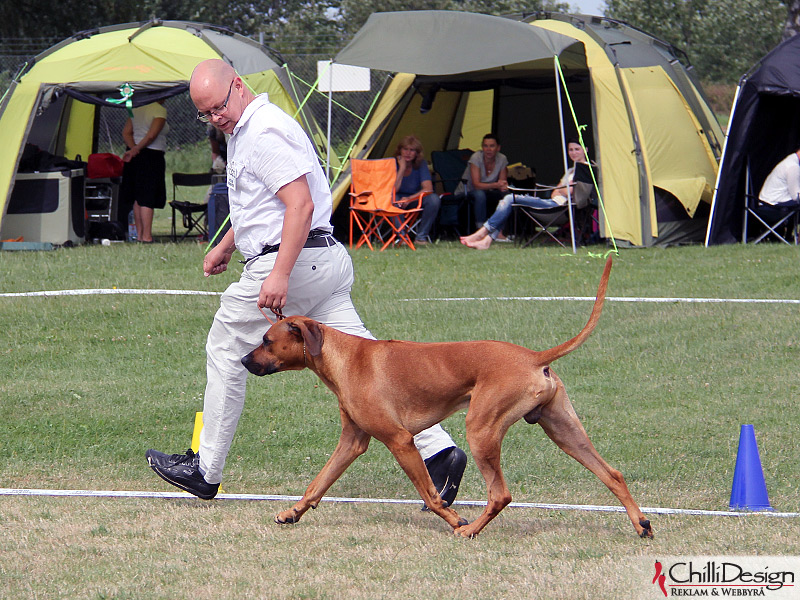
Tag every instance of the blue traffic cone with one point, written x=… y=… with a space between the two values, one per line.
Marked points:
x=749 y=491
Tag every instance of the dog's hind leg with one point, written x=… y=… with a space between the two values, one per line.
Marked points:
x=485 y=436
x=561 y=424
x=353 y=442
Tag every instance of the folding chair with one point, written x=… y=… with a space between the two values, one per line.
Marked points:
x=549 y=220
x=449 y=167
x=193 y=214
x=372 y=205
x=779 y=220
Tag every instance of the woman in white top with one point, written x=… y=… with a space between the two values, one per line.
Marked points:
x=143 y=187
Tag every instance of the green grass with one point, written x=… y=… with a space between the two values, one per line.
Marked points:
x=88 y=383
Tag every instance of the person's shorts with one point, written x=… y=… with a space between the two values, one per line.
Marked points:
x=143 y=180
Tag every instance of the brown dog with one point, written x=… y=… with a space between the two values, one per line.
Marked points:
x=384 y=395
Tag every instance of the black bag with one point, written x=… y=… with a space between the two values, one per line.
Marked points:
x=109 y=230
x=35 y=159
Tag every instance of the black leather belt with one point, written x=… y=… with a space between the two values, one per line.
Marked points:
x=317 y=238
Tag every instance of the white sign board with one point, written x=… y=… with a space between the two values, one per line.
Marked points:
x=341 y=78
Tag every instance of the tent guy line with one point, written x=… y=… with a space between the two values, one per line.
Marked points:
x=280 y=498
x=143 y=292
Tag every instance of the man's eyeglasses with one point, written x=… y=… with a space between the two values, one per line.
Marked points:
x=205 y=117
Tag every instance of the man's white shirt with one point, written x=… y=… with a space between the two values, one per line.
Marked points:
x=783 y=183
x=267 y=150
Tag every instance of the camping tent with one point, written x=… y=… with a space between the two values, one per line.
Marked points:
x=648 y=125
x=764 y=127
x=54 y=103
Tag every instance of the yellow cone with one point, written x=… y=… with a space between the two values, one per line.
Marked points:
x=198 y=426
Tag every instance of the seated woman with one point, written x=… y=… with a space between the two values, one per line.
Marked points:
x=413 y=179
x=486 y=175
x=492 y=229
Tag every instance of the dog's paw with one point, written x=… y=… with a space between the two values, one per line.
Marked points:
x=647 y=530
x=287 y=517
x=466 y=530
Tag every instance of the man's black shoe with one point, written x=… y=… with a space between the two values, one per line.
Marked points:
x=183 y=471
x=446 y=469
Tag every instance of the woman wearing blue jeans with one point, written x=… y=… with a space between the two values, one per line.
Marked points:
x=489 y=231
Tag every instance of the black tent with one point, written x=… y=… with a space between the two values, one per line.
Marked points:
x=763 y=129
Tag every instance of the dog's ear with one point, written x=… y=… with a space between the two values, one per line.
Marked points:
x=312 y=336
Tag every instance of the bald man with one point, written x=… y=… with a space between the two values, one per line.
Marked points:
x=280 y=208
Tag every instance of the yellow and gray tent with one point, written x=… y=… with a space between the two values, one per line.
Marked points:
x=646 y=121
x=62 y=89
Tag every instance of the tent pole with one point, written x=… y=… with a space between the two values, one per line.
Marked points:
x=330 y=111
x=564 y=153
x=721 y=162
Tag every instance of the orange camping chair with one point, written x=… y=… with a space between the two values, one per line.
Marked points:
x=372 y=205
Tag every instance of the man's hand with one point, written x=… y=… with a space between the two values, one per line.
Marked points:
x=216 y=261
x=274 y=291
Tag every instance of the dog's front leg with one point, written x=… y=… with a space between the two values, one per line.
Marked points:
x=353 y=442
x=401 y=445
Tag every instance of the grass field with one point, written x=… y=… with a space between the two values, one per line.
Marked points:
x=88 y=383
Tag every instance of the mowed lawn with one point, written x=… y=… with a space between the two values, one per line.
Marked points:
x=89 y=382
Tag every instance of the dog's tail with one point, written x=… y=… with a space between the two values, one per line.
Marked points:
x=553 y=354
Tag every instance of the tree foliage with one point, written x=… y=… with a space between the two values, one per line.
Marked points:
x=792 y=26
x=723 y=38
x=297 y=26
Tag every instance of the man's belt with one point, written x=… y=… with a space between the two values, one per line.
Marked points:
x=317 y=238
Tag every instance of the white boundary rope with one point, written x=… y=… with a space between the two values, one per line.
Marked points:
x=101 y=292
x=139 y=292
x=251 y=497
x=613 y=299
x=279 y=498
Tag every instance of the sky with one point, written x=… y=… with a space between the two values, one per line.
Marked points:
x=588 y=7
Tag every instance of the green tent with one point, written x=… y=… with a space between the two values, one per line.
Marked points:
x=647 y=122
x=61 y=91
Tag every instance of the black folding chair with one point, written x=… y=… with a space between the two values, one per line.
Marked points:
x=194 y=214
x=448 y=173
x=550 y=221
x=779 y=220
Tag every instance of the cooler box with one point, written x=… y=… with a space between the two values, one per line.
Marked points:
x=46 y=207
